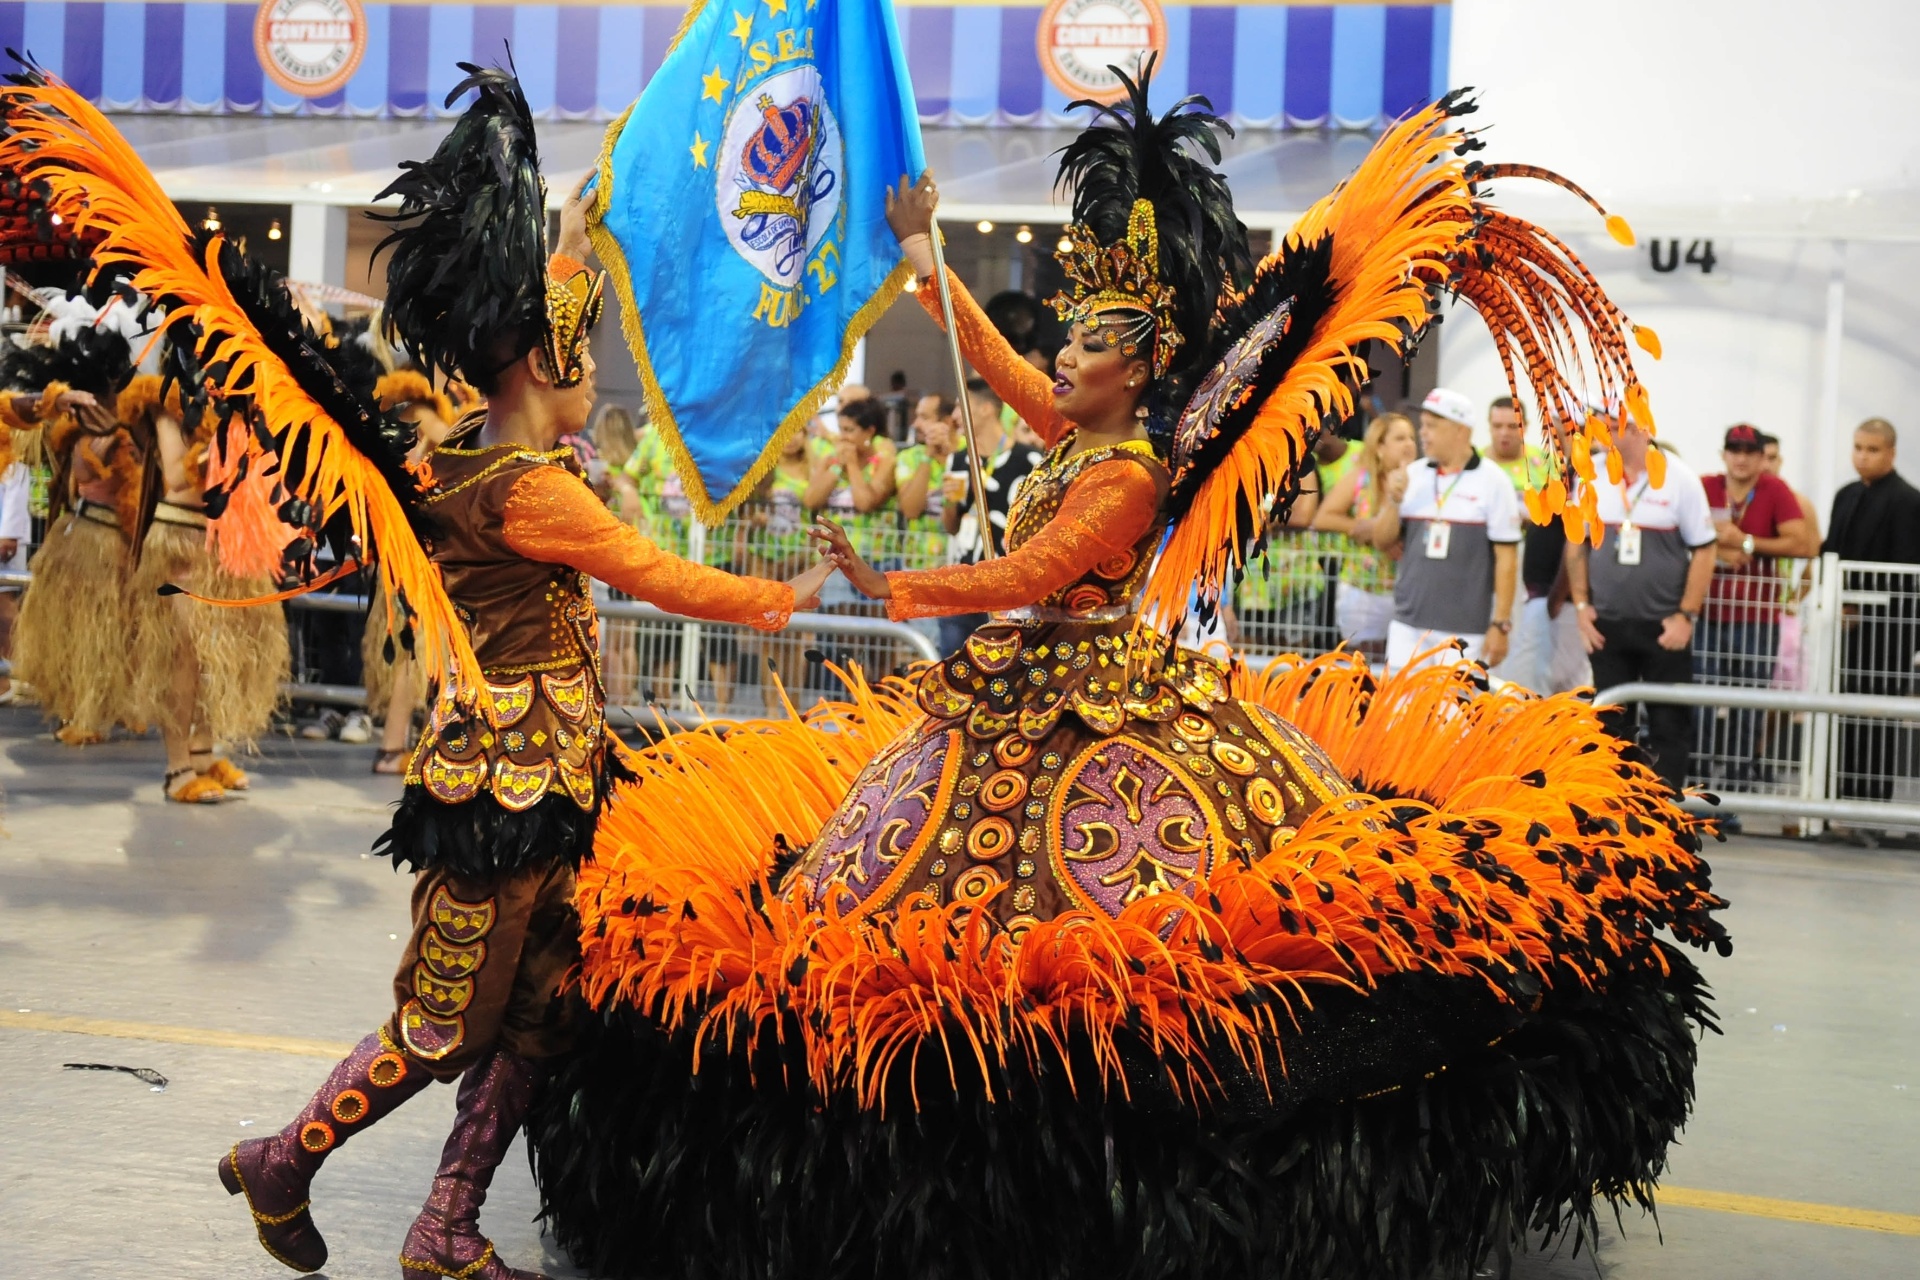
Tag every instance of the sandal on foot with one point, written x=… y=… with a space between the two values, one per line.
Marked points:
x=392 y=763
x=197 y=788
x=229 y=775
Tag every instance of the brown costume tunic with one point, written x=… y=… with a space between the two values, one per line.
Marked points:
x=496 y=816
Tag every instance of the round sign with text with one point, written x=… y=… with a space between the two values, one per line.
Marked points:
x=1081 y=41
x=310 y=47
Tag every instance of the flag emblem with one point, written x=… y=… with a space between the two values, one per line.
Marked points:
x=778 y=186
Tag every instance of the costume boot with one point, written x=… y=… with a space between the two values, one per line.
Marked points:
x=445 y=1239
x=273 y=1172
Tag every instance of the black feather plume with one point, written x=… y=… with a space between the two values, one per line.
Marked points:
x=466 y=282
x=97 y=361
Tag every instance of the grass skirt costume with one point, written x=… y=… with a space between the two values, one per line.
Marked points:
x=70 y=642
x=242 y=654
x=1079 y=955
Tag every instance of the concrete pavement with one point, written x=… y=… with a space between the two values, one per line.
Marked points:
x=261 y=934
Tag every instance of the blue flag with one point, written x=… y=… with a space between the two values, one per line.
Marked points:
x=741 y=213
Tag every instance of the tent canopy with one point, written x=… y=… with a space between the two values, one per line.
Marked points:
x=1004 y=174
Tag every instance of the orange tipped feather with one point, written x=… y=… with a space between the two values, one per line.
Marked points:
x=680 y=920
x=1617 y=228
x=1408 y=224
x=1657 y=468
x=1649 y=340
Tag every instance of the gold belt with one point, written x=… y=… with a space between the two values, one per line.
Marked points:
x=1046 y=613
x=97 y=513
x=174 y=513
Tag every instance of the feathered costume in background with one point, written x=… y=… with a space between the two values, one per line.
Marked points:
x=1434 y=1017
x=70 y=642
x=290 y=419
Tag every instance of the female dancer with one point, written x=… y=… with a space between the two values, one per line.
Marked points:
x=1079 y=954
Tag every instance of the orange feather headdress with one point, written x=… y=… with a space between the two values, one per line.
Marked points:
x=1371 y=262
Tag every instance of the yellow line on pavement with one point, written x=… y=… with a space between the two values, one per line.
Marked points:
x=160 y=1034
x=1825 y=1215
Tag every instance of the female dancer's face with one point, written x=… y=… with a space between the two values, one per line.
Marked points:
x=1093 y=381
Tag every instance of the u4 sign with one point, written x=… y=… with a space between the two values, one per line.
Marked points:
x=1671 y=256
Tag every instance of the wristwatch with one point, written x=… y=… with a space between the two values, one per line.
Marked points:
x=1502 y=626
x=1691 y=615
x=1746 y=544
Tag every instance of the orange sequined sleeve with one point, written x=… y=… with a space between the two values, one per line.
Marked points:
x=1104 y=513
x=1025 y=388
x=553 y=517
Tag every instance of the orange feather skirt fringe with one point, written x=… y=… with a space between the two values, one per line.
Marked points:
x=1497 y=836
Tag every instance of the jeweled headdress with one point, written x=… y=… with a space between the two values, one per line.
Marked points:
x=469 y=286
x=1154 y=233
x=575 y=297
x=1124 y=276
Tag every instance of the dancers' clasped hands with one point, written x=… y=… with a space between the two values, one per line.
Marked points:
x=836 y=552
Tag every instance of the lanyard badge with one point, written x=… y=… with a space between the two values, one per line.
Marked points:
x=1628 y=546
x=1439 y=536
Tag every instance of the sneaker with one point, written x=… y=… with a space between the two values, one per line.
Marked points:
x=357 y=728
x=322 y=726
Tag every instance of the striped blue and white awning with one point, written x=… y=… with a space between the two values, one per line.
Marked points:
x=1268 y=65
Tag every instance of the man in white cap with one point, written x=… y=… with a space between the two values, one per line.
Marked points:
x=1453 y=522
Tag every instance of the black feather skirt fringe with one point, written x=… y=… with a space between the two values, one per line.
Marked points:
x=1423 y=1131
x=481 y=839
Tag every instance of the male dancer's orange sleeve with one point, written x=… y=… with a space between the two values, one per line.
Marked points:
x=1025 y=388
x=1104 y=513
x=551 y=516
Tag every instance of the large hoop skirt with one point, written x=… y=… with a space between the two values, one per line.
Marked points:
x=1387 y=1036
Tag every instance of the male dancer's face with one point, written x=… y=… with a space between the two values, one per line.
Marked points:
x=573 y=406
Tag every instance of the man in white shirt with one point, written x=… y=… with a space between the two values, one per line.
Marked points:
x=16 y=531
x=1639 y=595
x=1454 y=524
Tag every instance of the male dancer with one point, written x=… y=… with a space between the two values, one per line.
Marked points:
x=498 y=811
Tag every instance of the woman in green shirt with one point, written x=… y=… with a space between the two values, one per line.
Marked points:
x=1363 y=605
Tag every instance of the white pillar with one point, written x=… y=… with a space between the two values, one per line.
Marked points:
x=1833 y=447
x=857 y=366
x=317 y=244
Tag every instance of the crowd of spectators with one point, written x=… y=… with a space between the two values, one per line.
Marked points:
x=1697 y=577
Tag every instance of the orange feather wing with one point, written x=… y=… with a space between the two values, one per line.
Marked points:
x=94 y=179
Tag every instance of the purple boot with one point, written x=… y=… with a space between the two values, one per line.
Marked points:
x=273 y=1173
x=445 y=1239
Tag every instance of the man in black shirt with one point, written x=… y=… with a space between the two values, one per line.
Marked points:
x=1876 y=520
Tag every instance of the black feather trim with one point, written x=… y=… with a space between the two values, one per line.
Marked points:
x=1299 y=275
x=480 y=838
x=1404 y=1146
x=333 y=374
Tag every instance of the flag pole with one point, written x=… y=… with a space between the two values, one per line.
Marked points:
x=974 y=473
